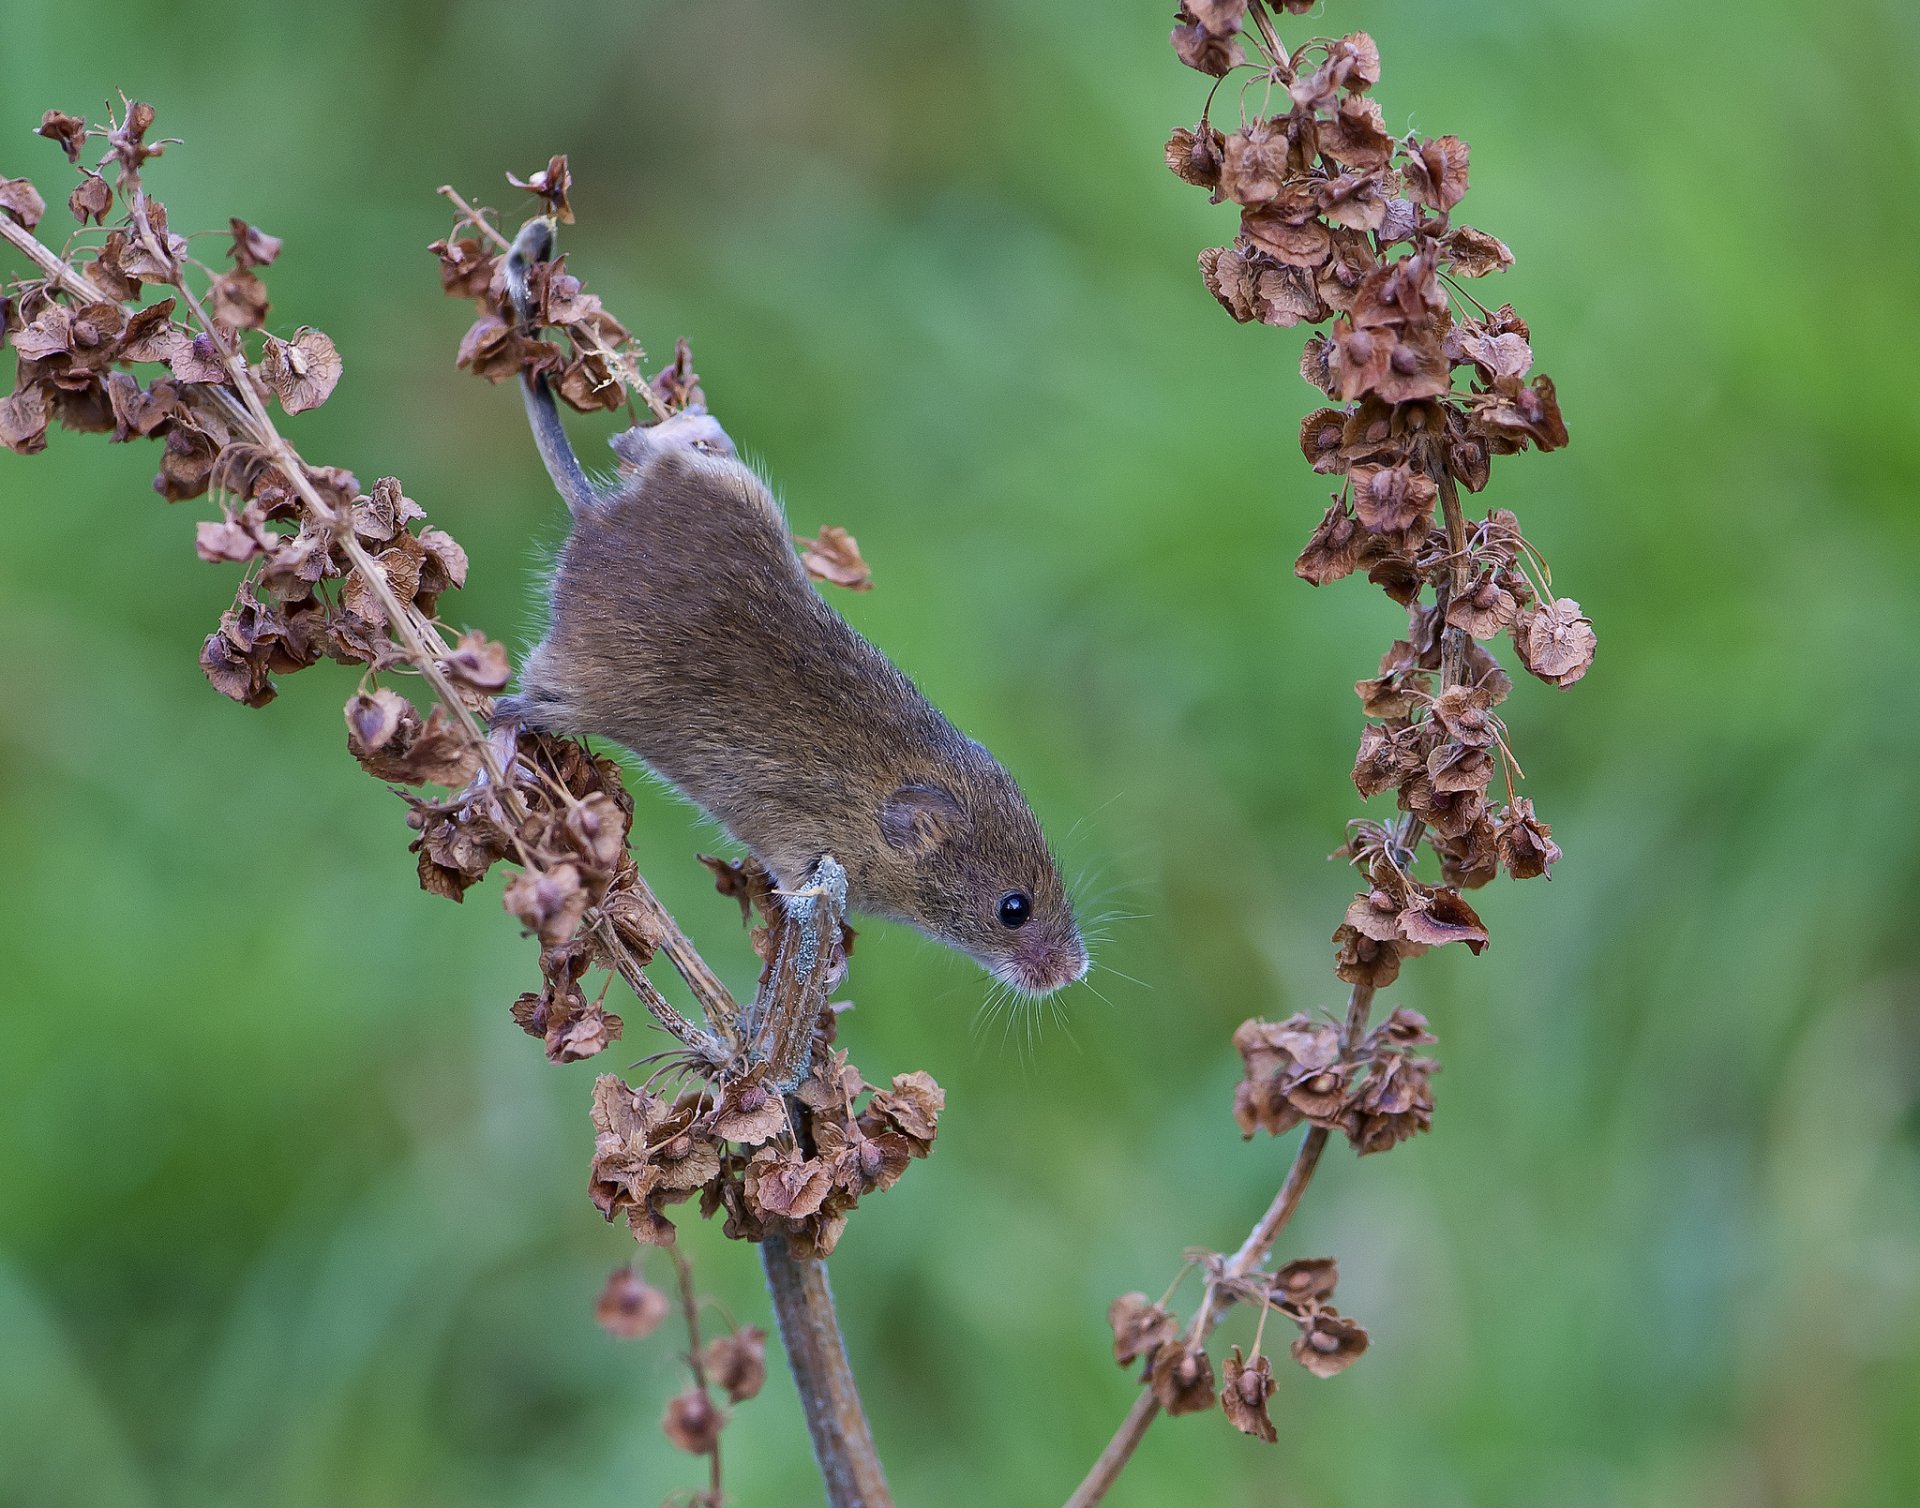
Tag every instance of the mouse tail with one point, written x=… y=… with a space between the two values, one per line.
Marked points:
x=570 y=480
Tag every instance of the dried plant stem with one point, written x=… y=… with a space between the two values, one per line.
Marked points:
x=44 y=258
x=690 y=1315
x=1253 y=1252
x=1453 y=641
x=842 y=1442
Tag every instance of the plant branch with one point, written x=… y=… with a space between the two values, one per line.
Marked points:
x=1252 y=1254
x=842 y=1442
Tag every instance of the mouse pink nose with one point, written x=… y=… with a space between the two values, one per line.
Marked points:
x=1044 y=964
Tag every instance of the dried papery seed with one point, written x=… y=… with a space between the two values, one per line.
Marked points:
x=737 y=1363
x=693 y=1422
x=1182 y=1378
x=1244 y=1393
x=301 y=372
x=834 y=557
x=477 y=662
x=1403 y=1028
x=240 y=300
x=1221 y=17
x=747 y=1111
x=550 y=903
x=252 y=247
x=92 y=200
x=1555 y=641
x=1334 y=549
x=628 y=1307
x=21 y=201
x=70 y=131
x=1305 y=1281
x=1140 y=1327
x=1196 y=156
x=1329 y=1343
x=786 y=1184
x=1395 y=1103
x=1474 y=253
x=1355 y=135
x=1369 y=961
x=1200 y=49
x=550 y=185
x=1525 y=844
x=466 y=267
x=1436 y=172
x=676 y=384
x=912 y=1107
x=23 y=421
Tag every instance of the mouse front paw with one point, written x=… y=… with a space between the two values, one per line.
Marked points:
x=691 y=429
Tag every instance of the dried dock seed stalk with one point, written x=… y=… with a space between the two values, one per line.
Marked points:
x=129 y=336
x=1348 y=228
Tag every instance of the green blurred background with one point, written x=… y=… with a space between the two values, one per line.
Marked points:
x=291 y=1215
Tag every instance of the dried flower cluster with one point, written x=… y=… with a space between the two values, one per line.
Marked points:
x=1345 y=226
x=1375 y=1091
x=125 y=333
x=788 y=1166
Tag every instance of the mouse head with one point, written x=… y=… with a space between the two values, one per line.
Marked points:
x=970 y=853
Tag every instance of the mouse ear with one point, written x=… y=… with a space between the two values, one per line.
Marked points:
x=919 y=818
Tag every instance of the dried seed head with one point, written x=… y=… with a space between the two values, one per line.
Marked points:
x=1328 y=1343
x=737 y=1363
x=693 y=1422
x=1182 y=1378
x=1244 y=1394
x=629 y=1308
x=1140 y=1327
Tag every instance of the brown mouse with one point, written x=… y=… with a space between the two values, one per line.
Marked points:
x=682 y=626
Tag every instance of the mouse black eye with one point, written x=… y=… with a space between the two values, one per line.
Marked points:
x=1016 y=908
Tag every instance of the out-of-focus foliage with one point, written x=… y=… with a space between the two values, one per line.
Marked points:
x=291 y=1215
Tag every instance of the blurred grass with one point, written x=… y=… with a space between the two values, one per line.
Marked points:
x=290 y=1216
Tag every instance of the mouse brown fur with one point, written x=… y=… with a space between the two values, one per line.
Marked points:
x=682 y=625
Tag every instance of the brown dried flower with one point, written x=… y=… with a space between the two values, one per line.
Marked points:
x=1244 y=1394
x=693 y=1422
x=737 y=1363
x=1328 y=1343
x=1140 y=1327
x=834 y=557
x=1182 y=1378
x=629 y=1308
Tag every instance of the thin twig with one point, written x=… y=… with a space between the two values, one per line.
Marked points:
x=690 y=1311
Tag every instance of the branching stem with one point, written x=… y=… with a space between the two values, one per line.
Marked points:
x=1252 y=1254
